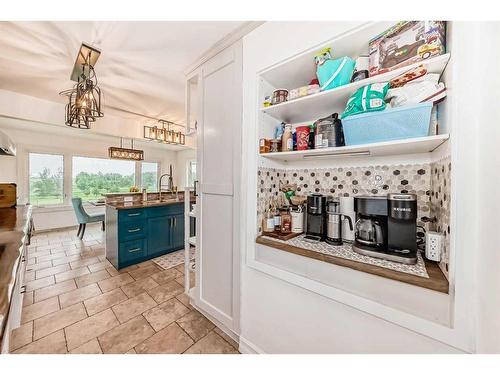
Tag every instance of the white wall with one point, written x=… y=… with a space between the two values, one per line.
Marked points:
x=293 y=316
x=34 y=137
x=278 y=317
x=181 y=164
x=488 y=180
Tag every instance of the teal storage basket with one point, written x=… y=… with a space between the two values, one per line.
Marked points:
x=389 y=125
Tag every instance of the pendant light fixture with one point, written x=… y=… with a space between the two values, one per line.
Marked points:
x=164 y=134
x=84 y=99
x=125 y=153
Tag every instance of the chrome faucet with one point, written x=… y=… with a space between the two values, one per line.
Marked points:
x=170 y=185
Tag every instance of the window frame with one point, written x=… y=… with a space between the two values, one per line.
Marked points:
x=139 y=168
x=99 y=158
x=28 y=176
x=23 y=171
x=188 y=171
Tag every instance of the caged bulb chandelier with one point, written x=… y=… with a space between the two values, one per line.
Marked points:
x=85 y=98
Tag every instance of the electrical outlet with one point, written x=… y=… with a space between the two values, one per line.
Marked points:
x=433 y=246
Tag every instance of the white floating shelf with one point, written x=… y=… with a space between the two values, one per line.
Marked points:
x=400 y=147
x=192 y=240
x=325 y=103
x=300 y=69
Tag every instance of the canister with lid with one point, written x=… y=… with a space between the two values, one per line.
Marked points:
x=302 y=135
x=286 y=222
x=329 y=132
x=297 y=219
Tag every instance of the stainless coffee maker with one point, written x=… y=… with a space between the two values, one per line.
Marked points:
x=334 y=223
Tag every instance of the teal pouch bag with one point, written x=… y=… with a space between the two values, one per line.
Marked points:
x=368 y=98
x=335 y=73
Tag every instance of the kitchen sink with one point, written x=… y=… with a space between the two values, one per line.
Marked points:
x=163 y=200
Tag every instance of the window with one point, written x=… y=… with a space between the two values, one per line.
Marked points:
x=94 y=177
x=46 y=179
x=149 y=176
x=191 y=173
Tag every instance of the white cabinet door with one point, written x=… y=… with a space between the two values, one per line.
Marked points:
x=219 y=165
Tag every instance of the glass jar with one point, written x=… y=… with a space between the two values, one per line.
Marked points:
x=268 y=221
x=277 y=220
x=275 y=145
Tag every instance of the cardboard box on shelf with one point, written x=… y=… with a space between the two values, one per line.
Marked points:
x=405 y=43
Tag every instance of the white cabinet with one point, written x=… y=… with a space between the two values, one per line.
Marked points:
x=218 y=116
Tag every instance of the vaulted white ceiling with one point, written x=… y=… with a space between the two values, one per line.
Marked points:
x=140 y=68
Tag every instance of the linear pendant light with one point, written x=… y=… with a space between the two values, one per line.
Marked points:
x=164 y=134
x=125 y=153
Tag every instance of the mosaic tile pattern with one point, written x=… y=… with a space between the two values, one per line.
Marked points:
x=430 y=182
x=440 y=205
x=352 y=181
x=346 y=252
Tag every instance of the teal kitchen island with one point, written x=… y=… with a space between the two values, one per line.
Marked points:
x=138 y=231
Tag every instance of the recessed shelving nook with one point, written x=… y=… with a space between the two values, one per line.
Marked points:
x=299 y=70
x=418 y=165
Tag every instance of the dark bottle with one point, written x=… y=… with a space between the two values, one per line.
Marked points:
x=310 y=143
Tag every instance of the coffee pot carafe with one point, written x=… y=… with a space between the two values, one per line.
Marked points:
x=369 y=231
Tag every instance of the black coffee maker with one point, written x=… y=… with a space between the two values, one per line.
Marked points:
x=386 y=227
x=316 y=218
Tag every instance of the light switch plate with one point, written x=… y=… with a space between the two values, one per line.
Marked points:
x=433 y=246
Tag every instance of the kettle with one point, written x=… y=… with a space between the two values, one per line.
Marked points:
x=369 y=231
x=334 y=223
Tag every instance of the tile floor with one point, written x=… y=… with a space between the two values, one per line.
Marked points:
x=76 y=302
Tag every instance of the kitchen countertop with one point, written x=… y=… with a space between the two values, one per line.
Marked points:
x=436 y=280
x=136 y=193
x=14 y=224
x=140 y=204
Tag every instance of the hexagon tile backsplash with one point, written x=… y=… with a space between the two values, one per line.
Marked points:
x=430 y=182
x=440 y=205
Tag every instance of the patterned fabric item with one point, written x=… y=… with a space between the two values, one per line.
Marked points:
x=345 y=251
x=171 y=260
x=408 y=76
